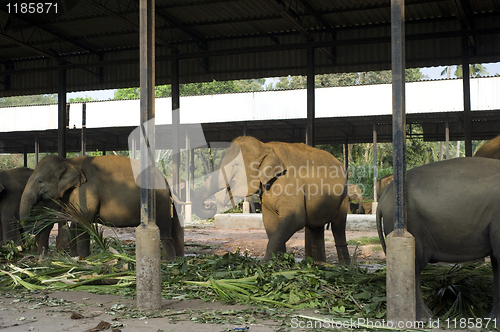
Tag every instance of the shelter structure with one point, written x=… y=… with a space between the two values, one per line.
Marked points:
x=50 y=47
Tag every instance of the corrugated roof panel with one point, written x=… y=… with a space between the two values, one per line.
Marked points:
x=110 y=27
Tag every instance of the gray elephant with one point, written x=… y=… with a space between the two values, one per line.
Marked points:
x=490 y=149
x=104 y=186
x=299 y=186
x=444 y=216
x=355 y=194
x=12 y=183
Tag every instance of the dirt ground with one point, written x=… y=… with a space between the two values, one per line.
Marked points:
x=82 y=311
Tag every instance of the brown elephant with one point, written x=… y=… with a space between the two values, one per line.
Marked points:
x=490 y=149
x=299 y=186
x=104 y=186
x=382 y=184
x=12 y=183
x=355 y=194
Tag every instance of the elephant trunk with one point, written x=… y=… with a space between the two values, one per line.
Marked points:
x=28 y=199
x=212 y=185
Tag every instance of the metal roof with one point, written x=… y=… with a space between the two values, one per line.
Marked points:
x=97 y=41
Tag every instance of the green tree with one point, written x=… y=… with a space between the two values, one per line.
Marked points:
x=475 y=70
x=81 y=99
x=28 y=100
x=345 y=79
x=193 y=89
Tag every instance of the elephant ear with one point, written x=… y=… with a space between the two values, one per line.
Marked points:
x=1 y=187
x=69 y=177
x=271 y=166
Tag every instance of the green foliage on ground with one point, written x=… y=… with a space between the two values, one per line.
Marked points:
x=282 y=282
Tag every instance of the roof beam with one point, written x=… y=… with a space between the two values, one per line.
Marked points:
x=465 y=16
x=294 y=18
x=133 y=25
x=43 y=53
x=55 y=34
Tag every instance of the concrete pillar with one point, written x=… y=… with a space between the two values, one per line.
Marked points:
x=147 y=233
x=400 y=260
x=400 y=245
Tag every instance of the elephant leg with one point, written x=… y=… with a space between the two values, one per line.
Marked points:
x=164 y=221
x=495 y=311
x=279 y=230
x=167 y=242
x=10 y=228
x=338 y=231
x=1 y=231
x=63 y=237
x=423 y=312
x=178 y=235
x=42 y=240
x=315 y=243
x=80 y=241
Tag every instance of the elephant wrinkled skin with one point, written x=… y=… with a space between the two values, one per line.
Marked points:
x=454 y=215
x=12 y=183
x=104 y=186
x=300 y=186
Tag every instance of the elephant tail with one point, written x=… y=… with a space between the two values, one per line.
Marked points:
x=379 y=229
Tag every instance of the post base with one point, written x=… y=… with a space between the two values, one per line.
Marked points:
x=148 y=258
x=400 y=259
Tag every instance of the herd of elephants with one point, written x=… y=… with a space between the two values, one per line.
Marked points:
x=452 y=206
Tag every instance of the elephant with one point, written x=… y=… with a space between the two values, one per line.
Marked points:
x=354 y=193
x=490 y=149
x=454 y=216
x=382 y=184
x=299 y=186
x=105 y=187
x=12 y=183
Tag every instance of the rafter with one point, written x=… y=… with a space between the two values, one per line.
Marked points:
x=465 y=16
x=293 y=17
x=51 y=32
x=52 y=56
x=135 y=26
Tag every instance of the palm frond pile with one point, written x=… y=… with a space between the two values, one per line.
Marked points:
x=355 y=291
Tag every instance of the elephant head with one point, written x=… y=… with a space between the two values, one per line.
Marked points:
x=246 y=166
x=51 y=179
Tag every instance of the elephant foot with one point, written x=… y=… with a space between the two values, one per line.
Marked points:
x=168 y=250
x=63 y=238
x=495 y=314
x=343 y=255
x=424 y=314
